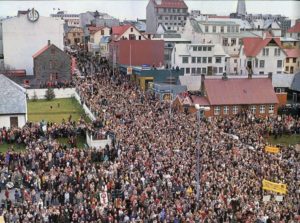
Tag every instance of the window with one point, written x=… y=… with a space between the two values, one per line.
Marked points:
x=185 y=60
x=218 y=59
x=262 y=109
x=277 y=52
x=261 y=63
x=214 y=29
x=166 y=18
x=217 y=110
x=233 y=42
x=193 y=59
x=206 y=29
x=198 y=70
x=225 y=42
x=198 y=59
x=235 y=110
x=203 y=70
x=261 y=72
x=193 y=70
x=51 y=64
x=253 y=109
x=102 y=32
x=222 y=29
x=287 y=60
x=209 y=59
x=256 y=62
x=279 y=63
x=199 y=48
x=204 y=48
x=265 y=52
x=235 y=60
x=271 y=109
x=204 y=59
x=228 y=29
x=215 y=70
x=187 y=70
x=220 y=69
x=131 y=29
x=131 y=36
x=225 y=110
x=209 y=48
x=294 y=60
x=194 y=48
x=287 y=68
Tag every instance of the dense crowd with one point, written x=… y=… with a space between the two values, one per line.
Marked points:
x=149 y=174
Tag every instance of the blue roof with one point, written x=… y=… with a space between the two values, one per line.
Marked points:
x=105 y=39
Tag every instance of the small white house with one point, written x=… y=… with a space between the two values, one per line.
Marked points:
x=13 y=104
x=261 y=55
x=201 y=58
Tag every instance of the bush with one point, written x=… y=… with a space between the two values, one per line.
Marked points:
x=34 y=97
x=50 y=94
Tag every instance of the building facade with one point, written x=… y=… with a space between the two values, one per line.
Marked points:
x=52 y=65
x=72 y=20
x=74 y=36
x=261 y=56
x=126 y=32
x=294 y=32
x=197 y=59
x=170 y=13
x=292 y=61
x=23 y=36
x=13 y=109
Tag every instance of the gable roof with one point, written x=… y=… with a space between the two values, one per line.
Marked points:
x=41 y=51
x=292 y=53
x=295 y=28
x=253 y=45
x=178 y=4
x=240 y=91
x=93 y=29
x=119 y=30
x=12 y=97
x=296 y=82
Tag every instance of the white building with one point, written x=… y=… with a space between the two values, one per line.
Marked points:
x=72 y=20
x=201 y=58
x=261 y=56
x=25 y=34
x=13 y=104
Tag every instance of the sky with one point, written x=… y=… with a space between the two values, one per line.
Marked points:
x=125 y=9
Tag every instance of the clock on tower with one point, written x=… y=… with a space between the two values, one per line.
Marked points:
x=33 y=15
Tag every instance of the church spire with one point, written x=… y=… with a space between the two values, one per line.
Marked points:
x=241 y=8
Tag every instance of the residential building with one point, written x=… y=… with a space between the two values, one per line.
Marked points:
x=24 y=35
x=51 y=65
x=71 y=19
x=104 y=46
x=292 y=61
x=170 y=40
x=138 y=53
x=261 y=56
x=13 y=109
x=232 y=95
x=171 y=13
x=126 y=32
x=139 y=24
x=290 y=43
x=96 y=34
x=74 y=36
x=294 y=31
x=197 y=59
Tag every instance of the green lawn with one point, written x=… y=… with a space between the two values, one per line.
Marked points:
x=80 y=141
x=5 y=146
x=285 y=140
x=61 y=109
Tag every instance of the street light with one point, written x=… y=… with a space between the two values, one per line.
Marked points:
x=200 y=114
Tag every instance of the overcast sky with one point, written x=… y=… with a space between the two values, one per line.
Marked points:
x=124 y=9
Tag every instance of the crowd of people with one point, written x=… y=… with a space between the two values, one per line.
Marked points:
x=149 y=174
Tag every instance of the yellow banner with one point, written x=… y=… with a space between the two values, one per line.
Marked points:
x=272 y=149
x=2 y=219
x=271 y=186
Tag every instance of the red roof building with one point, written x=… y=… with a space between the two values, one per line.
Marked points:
x=138 y=53
x=128 y=32
x=178 y=4
x=295 y=28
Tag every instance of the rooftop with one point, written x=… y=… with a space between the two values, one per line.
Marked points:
x=171 y=4
x=295 y=28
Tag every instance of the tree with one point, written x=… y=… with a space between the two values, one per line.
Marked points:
x=50 y=94
x=34 y=97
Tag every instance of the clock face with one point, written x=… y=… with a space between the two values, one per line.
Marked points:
x=33 y=15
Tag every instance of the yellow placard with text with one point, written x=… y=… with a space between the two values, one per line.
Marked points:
x=275 y=187
x=271 y=149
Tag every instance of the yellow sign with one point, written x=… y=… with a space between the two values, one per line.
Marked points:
x=2 y=219
x=271 y=149
x=271 y=186
x=129 y=70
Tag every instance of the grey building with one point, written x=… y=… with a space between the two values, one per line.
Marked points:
x=170 y=13
x=1 y=43
x=51 y=65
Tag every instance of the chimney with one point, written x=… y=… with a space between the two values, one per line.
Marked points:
x=49 y=42
x=270 y=75
x=224 y=77
x=202 y=84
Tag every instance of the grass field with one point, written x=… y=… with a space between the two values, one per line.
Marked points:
x=5 y=146
x=285 y=140
x=54 y=110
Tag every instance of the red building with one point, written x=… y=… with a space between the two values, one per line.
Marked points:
x=137 y=53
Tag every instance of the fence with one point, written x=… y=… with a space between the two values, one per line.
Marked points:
x=98 y=144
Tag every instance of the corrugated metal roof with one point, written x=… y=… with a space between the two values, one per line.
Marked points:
x=12 y=97
x=240 y=91
x=282 y=80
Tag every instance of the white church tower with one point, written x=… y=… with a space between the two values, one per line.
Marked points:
x=241 y=8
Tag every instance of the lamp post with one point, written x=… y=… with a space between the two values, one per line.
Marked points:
x=200 y=115
x=171 y=95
